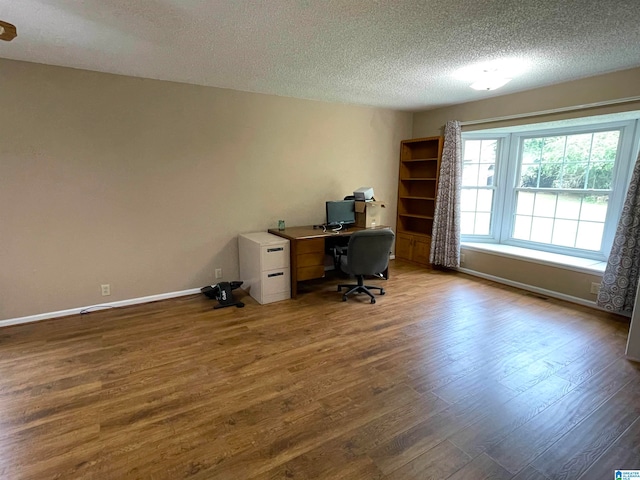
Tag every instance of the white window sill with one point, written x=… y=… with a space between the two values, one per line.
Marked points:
x=568 y=262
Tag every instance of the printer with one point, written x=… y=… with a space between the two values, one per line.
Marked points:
x=363 y=194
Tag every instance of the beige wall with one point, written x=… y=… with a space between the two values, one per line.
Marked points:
x=145 y=184
x=603 y=88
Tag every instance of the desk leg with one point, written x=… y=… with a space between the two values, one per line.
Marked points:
x=293 y=264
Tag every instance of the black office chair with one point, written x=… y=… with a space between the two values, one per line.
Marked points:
x=367 y=254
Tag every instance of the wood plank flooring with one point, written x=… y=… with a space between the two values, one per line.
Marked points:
x=446 y=376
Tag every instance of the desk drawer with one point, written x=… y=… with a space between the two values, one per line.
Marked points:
x=310 y=259
x=309 y=273
x=313 y=245
x=274 y=256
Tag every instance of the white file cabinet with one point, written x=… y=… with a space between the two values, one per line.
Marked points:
x=264 y=266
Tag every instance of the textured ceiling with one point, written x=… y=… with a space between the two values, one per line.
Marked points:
x=390 y=53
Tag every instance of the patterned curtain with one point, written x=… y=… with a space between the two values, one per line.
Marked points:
x=445 y=240
x=620 y=280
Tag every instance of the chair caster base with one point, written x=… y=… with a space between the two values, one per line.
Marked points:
x=359 y=288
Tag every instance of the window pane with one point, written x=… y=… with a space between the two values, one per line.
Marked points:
x=594 y=208
x=478 y=170
x=574 y=175
x=564 y=233
x=605 y=146
x=483 y=224
x=568 y=206
x=547 y=175
x=578 y=148
x=541 y=229
x=532 y=150
x=569 y=162
x=522 y=227
x=485 y=200
x=486 y=173
x=589 y=235
x=600 y=175
x=467 y=221
x=529 y=175
x=550 y=175
x=468 y=199
x=488 y=151
x=553 y=149
x=471 y=151
x=470 y=175
x=545 y=205
x=524 y=203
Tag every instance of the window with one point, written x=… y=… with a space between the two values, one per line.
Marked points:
x=478 y=189
x=558 y=190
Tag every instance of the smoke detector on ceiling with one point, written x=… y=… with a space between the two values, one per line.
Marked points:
x=7 y=31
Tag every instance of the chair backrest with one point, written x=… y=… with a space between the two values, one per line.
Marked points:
x=368 y=251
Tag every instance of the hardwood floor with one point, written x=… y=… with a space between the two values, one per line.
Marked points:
x=446 y=376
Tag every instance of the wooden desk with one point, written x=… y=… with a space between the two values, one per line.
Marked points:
x=307 y=250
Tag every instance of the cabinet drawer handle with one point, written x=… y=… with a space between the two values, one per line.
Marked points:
x=279 y=274
x=279 y=249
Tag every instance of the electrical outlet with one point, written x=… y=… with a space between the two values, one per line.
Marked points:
x=106 y=290
x=218 y=273
x=595 y=288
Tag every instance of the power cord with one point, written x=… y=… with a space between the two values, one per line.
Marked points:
x=333 y=230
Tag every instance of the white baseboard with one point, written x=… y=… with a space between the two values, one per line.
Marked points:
x=77 y=311
x=531 y=288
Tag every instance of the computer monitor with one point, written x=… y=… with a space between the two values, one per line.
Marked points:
x=341 y=212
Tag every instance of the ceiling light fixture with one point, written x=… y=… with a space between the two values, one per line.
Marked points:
x=7 y=31
x=493 y=74
x=489 y=81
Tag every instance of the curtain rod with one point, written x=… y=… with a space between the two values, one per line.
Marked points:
x=553 y=110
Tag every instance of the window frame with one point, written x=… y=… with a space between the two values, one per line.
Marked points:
x=507 y=172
